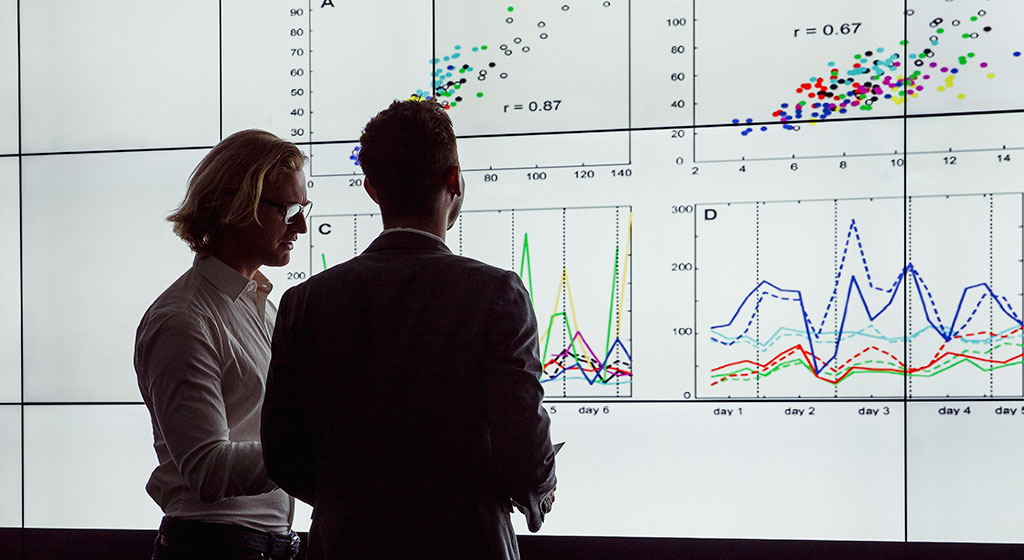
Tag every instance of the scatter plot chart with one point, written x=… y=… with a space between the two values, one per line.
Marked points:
x=537 y=66
x=528 y=83
x=970 y=71
x=575 y=264
x=817 y=301
x=840 y=84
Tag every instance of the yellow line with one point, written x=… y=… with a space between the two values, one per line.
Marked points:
x=575 y=326
x=565 y=278
x=625 y=270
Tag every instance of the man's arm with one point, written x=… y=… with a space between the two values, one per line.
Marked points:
x=286 y=431
x=520 y=439
x=180 y=368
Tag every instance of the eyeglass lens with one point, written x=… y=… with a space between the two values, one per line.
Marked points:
x=294 y=210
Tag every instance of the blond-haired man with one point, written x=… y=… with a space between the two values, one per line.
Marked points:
x=203 y=348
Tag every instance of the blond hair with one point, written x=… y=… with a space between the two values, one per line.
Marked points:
x=225 y=188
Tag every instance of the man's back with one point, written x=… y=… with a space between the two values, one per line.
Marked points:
x=417 y=373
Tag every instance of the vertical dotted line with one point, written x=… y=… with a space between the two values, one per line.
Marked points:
x=565 y=316
x=355 y=235
x=908 y=298
x=460 y=235
x=757 y=282
x=513 y=240
x=21 y=275
x=835 y=273
x=617 y=299
x=991 y=299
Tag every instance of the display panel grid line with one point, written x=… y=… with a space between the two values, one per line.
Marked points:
x=21 y=271
x=433 y=48
x=220 y=69
x=692 y=127
x=629 y=79
x=906 y=295
x=83 y=403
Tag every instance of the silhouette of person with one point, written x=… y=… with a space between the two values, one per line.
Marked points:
x=403 y=400
x=203 y=348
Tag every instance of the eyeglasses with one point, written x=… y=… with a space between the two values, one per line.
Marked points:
x=291 y=210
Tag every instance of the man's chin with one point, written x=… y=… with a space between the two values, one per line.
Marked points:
x=280 y=259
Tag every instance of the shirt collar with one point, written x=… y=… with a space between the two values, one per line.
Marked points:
x=413 y=230
x=227 y=280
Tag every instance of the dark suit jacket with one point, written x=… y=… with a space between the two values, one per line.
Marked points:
x=403 y=403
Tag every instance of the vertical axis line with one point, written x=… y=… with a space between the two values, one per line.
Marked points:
x=21 y=274
x=309 y=88
x=220 y=66
x=629 y=81
x=906 y=289
x=693 y=110
x=696 y=268
x=433 y=48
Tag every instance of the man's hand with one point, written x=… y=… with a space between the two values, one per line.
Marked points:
x=535 y=516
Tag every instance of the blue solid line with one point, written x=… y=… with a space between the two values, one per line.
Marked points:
x=603 y=366
x=855 y=285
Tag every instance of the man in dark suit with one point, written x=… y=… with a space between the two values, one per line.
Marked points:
x=403 y=399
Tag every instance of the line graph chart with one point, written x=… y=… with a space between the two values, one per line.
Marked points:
x=845 y=314
x=575 y=264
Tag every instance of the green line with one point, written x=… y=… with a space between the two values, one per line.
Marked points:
x=323 y=256
x=528 y=278
x=572 y=339
x=525 y=261
x=801 y=363
x=611 y=304
x=608 y=382
x=602 y=379
x=547 y=339
x=941 y=368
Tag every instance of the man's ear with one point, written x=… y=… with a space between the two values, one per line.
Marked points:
x=453 y=180
x=370 y=190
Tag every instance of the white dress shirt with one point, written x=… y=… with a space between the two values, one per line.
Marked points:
x=202 y=352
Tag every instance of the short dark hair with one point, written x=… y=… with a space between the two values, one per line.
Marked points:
x=406 y=152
